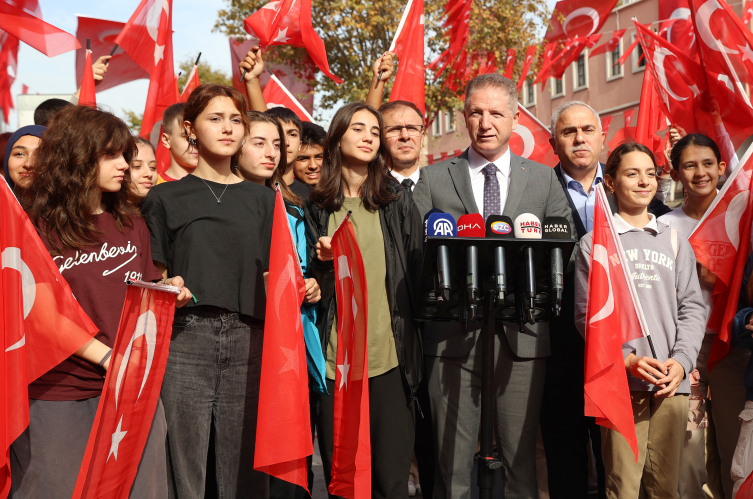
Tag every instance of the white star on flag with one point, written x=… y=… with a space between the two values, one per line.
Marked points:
x=747 y=52
x=272 y=5
x=116 y=439
x=344 y=369
x=292 y=361
x=281 y=35
x=159 y=53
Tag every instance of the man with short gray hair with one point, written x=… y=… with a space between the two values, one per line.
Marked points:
x=488 y=179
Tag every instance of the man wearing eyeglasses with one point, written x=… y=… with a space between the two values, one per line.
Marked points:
x=403 y=134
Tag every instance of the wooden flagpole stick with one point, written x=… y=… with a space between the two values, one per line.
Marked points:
x=397 y=33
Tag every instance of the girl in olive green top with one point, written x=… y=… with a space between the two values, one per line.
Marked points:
x=355 y=177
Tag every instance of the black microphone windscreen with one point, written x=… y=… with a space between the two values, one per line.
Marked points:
x=556 y=228
x=499 y=226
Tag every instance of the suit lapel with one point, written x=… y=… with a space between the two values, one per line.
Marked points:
x=579 y=227
x=518 y=181
x=461 y=177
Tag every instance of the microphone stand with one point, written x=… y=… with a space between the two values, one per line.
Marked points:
x=486 y=462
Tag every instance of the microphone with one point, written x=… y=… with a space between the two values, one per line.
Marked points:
x=556 y=228
x=426 y=222
x=500 y=227
x=442 y=224
x=528 y=226
x=472 y=225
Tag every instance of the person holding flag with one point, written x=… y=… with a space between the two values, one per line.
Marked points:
x=215 y=229
x=78 y=201
x=355 y=178
x=663 y=272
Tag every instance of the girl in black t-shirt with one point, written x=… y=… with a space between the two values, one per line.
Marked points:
x=215 y=229
x=78 y=201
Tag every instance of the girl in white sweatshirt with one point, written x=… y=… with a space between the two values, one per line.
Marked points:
x=663 y=269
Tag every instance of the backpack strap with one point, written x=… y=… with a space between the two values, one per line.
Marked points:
x=673 y=237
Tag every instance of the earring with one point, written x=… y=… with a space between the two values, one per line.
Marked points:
x=192 y=142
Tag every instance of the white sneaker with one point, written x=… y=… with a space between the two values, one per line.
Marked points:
x=411 y=488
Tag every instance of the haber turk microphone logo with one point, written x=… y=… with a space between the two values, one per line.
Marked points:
x=443 y=227
x=501 y=228
x=528 y=226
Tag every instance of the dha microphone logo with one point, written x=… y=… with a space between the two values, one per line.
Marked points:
x=443 y=227
x=470 y=226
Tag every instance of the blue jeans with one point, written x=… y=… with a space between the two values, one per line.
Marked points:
x=212 y=382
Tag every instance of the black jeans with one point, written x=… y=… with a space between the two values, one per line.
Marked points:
x=392 y=434
x=212 y=380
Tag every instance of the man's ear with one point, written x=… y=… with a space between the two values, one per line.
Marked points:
x=676 y=175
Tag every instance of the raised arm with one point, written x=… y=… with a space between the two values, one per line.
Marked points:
x=376 y=90
x=253 y=63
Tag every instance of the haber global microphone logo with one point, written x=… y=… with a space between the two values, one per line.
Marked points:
x=501 y=228
x=443 y=227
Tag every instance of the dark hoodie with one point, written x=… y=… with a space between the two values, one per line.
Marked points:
x=36 y=131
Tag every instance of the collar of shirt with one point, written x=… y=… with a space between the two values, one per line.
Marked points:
x=413 y=176
x=476 y=163
x=599 y=178
x=621 y=226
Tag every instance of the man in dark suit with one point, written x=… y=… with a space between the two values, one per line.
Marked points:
x=577 y=139
x=487 y=178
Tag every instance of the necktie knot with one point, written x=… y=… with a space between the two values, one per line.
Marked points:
x=407 y=184
x=490 y=169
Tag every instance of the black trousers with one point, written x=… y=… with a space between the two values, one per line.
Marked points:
x=424 y=444
x=392 y=434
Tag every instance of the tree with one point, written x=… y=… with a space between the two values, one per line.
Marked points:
x=206 y=75
x=356 y=33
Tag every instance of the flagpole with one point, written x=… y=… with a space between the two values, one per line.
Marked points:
x=112 y=53
x=197 y=60
x=621 y=254
x=154 y=286
x=397 y=33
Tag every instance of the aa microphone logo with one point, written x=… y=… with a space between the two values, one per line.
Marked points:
x=443 y=227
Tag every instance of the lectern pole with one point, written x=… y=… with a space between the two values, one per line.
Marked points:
x=486 y=462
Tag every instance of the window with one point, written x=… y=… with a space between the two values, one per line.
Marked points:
x=558 y=87
x=614 y=68
x=580 y=73
x=529 y=93
x=638 y=58
x=449 y=123
x=436 y=127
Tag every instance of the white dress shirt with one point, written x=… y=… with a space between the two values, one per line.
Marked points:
x=413 y=176
x=476 y=164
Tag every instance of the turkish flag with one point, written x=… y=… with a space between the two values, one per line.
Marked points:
x=42 y=323
x=721 y=242
x=610 y=44
x=283 y=428
x=130 y=395
x=121 y=68
x=8 y=70
x=678 y=29
x=570 y=54
x=33 y=31
x=87 y=96
x=613 y=317
x=457 y=22
x=509 y=63
x=288 y=22
x=628 y=117
x=530 y=53
x=192 y=82
x=651 y=118
x=546 y=62
x=573 y=18
x=276 y=95
x=605 y=122
x=351 y=456
x=410 y=82
x=148 y=39
x=747 y=15
x=530 y=140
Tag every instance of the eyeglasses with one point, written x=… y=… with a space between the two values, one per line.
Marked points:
x=396 y=131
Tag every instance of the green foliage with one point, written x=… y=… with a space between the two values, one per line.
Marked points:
x=133 y=120
x=357 y=32
x=206 y=73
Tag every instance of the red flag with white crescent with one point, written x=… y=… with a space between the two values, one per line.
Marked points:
x=102 y=33
x=41 y=322
x=87 y=96
x=275 y=95
x=351 y=457
x=192 y=83
x=613 y=317
x=130 y=395
x=572 y=18
x=530 y=140
x=410 y=82
x=509 y=63
x=610 y=44
x=721 y=243
x=530 y=53
x=283 y=428
x=18 y=22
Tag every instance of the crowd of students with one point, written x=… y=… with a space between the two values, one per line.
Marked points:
x=204 y=225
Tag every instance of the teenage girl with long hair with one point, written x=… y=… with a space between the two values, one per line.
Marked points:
x=78 y=201
x=215 y=229
x=355 y=177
